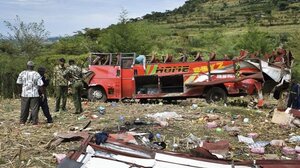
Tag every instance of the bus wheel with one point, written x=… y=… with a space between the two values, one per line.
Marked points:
x=97 y=94
x=216 y=94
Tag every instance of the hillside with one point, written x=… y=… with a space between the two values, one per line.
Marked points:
x=229 y=13
x=218 y=25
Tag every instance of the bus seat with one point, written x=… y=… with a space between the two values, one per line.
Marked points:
x=198 y=57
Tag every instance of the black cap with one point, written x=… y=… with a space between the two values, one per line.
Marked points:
x=62 y=60
x=41 y=69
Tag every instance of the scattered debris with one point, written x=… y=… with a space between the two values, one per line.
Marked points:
x=288 y=151
x=252 y=135
x=59 y=157
x=279 y=143
x=295 y=139
x=281 y=117
x=258 y=150
x=165 y=115
x=244 y=139
x=101 y=110
x=179 y=134
x=114 y=154
x=219 y=147
x=101 y=137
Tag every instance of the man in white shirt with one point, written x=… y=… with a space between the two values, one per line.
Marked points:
x=30 y=81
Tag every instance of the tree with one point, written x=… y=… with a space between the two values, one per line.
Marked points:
x=128 y=37
x=73 y=45
x=123 y=17
x=27 y=38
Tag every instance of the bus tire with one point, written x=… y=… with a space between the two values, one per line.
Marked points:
x=97 y=94
x=216 y=94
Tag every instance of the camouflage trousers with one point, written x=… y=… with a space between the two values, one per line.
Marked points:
x=77 y=87
x=61 y=93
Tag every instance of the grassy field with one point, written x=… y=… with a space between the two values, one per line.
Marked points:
x=25 y=146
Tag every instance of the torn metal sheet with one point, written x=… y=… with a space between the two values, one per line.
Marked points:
x=121 y=155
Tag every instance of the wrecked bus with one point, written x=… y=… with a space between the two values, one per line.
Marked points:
x=117 y=76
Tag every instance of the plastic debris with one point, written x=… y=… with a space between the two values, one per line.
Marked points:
x=252 y=135
x=158 y=136
x=150 y=136
x=211 y=111
x=231 y=129
x=162 y=122
x=159 y=145
x=27 y=133
x=281 y=118
x=211 y=124
x=101 y=110
x=125 y=137
x=194 y=106
x=218 y=130
x=212 y=117
x=137 y=121
x=296 y=122
x=279 y=143
x=235 y=117
x=175 y=146
x=288 y=151
x=192 y=139
x=59 y=157
x=94 y=116
x=297 y=149
x=258 y=150
x=246 y=120
x=74 y=128
x=259 y=144
x=101 y=137
x=81 y=117
x=218 y=147
x=165 y=115
x=244 y=139
x=161 y=118
x=113 y=104
x=295 y=139
x=121 y=119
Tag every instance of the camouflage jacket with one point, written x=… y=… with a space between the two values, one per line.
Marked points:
x=73 y=73
x=58 y=78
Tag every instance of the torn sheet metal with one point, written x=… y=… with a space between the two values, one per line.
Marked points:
x=121 y=155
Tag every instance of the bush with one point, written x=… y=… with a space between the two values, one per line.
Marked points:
x=254 y=40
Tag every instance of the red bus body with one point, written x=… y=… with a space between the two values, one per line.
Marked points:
x=173 y=80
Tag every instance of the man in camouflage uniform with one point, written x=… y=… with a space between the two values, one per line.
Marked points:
x=61 y=85
x=74 y=75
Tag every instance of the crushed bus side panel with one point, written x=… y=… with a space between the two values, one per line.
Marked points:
x=121 y=77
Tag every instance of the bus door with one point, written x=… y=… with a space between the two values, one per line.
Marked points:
x=127 y=75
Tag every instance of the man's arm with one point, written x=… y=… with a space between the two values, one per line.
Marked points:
x=20 y=80
x=54 y=76
x=39 y=80
x=67 y=74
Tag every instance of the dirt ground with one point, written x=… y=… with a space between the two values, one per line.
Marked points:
x=24 y=146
